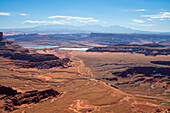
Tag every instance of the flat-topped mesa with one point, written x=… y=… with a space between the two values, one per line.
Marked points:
x=153 y=44
x=151 y=49
x=2 y=38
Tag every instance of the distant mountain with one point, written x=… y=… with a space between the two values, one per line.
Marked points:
x=129 y=38
x=90 y=28
x=85 y=28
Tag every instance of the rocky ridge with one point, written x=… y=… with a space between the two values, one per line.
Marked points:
x=128 y=38
x=158 y=77
x=151 y=49
x=9 y=49
x=13 y=99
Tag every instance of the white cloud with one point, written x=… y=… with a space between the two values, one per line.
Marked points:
x=43 y=22
x=4 y=14
x=161 y=19
x=65 y=20
x=87 y=21
x=23 y=14
x=141 y=10
x=147 y=25
x=84 y=19
x=76 y=19
x=149 y=19
x=71 y=17
x=161 y=15
x=93 y=20
x=137 y=21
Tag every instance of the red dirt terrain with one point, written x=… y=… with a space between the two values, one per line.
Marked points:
x=86 y=83
x=13 y=99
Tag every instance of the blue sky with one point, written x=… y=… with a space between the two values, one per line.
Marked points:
x=150 y=15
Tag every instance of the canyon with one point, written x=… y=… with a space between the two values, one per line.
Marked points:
x=52 y=80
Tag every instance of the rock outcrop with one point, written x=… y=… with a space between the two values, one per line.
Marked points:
x=161 y=62
x=12 y=102
x=128 y=38
x=158 y=76
x=46 y=64
x=147 y=71
x=7 y=91
x=7 y=46
x=111 y=79
x=9 y=49
x=152 y=49
x=2 y=38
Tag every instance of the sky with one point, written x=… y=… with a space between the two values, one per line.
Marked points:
x=147 y=15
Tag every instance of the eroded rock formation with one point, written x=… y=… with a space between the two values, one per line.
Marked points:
x=46 y=64
x=157 y=76
x=147 y=71
x=152 y=49
x=7 y=46
x=9 y=49
x=161 y=62
x=128 y=38
x=12 y=102
x=7 y=91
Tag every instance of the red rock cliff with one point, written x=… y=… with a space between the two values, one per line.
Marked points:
x=2 y=38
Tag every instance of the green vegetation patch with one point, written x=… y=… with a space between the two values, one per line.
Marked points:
x=165 y=104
